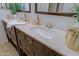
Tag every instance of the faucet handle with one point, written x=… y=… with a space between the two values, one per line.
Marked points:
x=37 y=20
x=48 y=25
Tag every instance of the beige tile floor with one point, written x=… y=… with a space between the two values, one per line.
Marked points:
x=6 y=49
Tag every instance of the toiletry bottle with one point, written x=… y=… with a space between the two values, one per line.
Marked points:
x=70 y=39
x=76 y=44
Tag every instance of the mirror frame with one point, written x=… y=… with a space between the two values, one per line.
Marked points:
x=26 y=11
x=59 y=14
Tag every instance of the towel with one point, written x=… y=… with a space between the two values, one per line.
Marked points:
x=14 y=23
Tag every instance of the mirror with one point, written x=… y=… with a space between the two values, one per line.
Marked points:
x=64 y=9
x=20 y=7
x=25 y=7
x=47 y=7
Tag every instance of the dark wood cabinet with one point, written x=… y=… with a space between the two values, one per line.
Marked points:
x=38 y=48
x=7 y=30
x=42 y=50
x=32 y=47
x=29 y=45
x=11 y=35
x=24 y=42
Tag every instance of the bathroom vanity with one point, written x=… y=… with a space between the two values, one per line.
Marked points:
x=37 y=40
x=33 y=47
x=27 y=44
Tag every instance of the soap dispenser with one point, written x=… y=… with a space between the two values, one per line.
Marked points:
x=70 y=38
x=76 y=44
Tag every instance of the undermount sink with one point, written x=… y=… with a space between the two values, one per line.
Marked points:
x=44 y=32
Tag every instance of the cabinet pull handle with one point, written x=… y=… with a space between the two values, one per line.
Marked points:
x=30 y=42
x=20 y=42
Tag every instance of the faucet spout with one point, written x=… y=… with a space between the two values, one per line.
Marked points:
x=38 y=20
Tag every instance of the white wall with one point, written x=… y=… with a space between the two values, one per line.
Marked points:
x=61 y=22
x=3 y=37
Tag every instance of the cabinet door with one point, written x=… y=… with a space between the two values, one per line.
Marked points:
x=24 y=42
x=8 y=32
x=33 y=47
x=13 y=36
x=28 y=46
x=4 y=24
x=38 y=48
x=21 y=37
x=42 y=50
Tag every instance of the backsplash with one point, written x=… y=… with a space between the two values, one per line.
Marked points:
x=60 y=22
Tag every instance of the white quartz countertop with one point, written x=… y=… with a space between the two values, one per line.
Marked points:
x=57 y=43
x=14 y=22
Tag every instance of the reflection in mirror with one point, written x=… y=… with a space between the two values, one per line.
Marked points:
x=64 y=9
x=25 y=7
x=47 y=7
x=68 y=7
x=2 y=5
x=55 y=7
x=22 y=7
